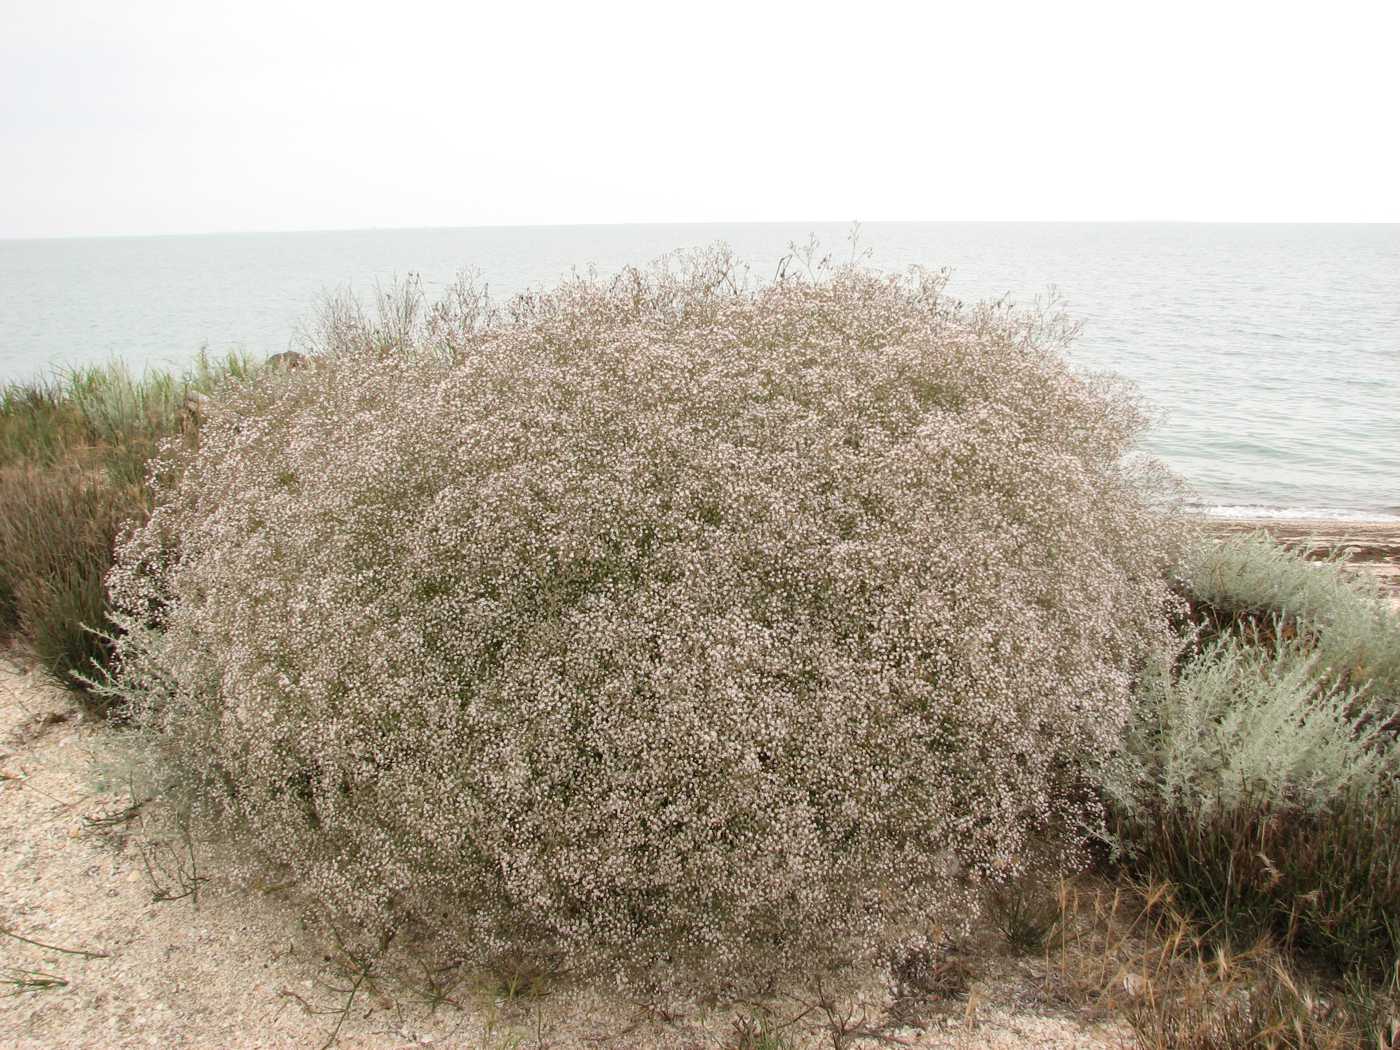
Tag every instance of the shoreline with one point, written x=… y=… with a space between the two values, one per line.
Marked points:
x=1371 y=546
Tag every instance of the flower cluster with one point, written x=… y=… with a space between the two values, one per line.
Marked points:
x=653 y=622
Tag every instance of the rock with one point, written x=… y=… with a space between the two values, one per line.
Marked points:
x=287 y=360
x=193 y=413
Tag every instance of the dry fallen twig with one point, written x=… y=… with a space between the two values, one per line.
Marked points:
x=30 y=980
x=55 y=948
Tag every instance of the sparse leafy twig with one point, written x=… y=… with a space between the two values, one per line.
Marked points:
x=287 y=993
x=363 y=972
x=850 y=1024
x=756 y=1030
x=185 y=872
x=345 y=1010
x=435 y=994
x=539 y=1027
x=25 y=780
x=758 y=1007
x=117 y=818
x=30 y=980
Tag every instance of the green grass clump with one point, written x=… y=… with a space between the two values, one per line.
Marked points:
x=1325 y=885
x=57 y=531
x=1278 y=1010
x=104 y=416
x=74 y=450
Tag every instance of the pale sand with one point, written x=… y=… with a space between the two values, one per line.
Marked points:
x=240 y=971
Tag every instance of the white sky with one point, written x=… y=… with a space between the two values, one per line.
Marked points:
x=144 y=117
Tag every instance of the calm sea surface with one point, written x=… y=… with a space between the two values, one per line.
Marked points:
x=1273 y=352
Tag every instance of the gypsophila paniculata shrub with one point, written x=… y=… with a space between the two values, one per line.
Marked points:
x=660 y=623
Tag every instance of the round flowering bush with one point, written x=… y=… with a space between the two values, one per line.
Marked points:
x=659 y=623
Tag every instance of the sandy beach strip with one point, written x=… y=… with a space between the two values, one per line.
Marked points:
x=1372 y=546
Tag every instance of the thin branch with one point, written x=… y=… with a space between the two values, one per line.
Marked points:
x=345 y=1012
x=55 y=948
x=111 y=820
x=30 y=980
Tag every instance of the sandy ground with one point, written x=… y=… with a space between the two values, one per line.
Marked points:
x=240 y=969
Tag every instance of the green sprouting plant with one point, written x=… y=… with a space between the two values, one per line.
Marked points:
x=23 y=979
x=755 y=1030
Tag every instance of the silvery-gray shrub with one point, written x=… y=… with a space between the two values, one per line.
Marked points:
x=1239 y=725
x=661 y=623
x=1344 y=616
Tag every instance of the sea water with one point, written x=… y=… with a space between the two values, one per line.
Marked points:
x=1270 y=352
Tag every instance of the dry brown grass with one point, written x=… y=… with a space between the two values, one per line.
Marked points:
x=1131 y=951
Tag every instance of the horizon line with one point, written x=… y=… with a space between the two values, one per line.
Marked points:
x=744 y=222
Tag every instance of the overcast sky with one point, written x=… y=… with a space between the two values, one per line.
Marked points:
x=143 y=117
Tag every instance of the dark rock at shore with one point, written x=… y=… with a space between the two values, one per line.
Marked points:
x=288 y=359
